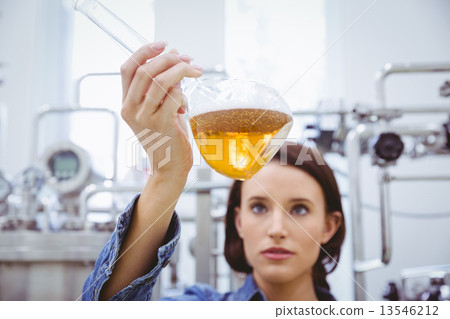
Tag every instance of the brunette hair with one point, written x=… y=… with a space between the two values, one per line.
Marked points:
x=310 y=161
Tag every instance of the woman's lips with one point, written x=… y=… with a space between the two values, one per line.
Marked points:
x=277 y=253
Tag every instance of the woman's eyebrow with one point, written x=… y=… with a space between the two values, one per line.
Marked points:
x=257 y=198
x=292 y=200
x=301 y=199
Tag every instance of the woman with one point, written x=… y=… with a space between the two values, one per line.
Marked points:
x=284 y=227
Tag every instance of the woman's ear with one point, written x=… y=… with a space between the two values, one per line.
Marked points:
x=238 y=221
x=332 y=222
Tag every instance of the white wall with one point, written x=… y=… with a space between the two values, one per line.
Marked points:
x=35 y=56
x=17 y=55
x=194 y=27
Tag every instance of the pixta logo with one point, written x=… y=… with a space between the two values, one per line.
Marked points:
x=308 y=153
x=141 y=150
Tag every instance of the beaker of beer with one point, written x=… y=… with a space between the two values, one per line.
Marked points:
x=238 y=125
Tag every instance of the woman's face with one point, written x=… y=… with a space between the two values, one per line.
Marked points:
x=282 y=221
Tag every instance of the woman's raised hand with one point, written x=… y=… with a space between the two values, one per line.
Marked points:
x=154 y=106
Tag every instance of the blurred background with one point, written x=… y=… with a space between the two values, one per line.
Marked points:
x=368 y=82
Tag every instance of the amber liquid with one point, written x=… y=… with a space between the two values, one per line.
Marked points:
x=237 y=142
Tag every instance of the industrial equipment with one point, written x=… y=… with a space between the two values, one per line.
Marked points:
x=45 y=230
x=46 y=250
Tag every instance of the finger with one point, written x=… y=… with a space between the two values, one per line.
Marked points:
x=182 y=120
x=145 y=73
x=183 y=106
x=183 y=57
x=141 y=56
x=164 y=81
x=173 y=101
x=183 y=103
x=168 y=108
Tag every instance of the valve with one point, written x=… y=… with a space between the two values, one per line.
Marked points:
x=391 y=292
x=388 y=148
x=447 y=132
x=444 y=90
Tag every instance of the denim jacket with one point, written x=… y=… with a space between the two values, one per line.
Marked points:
x=141 y=288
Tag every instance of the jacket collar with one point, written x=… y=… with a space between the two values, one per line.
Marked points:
x=251 y=292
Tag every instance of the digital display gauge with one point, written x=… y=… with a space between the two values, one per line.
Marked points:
x=64 y=165
x=68 y=167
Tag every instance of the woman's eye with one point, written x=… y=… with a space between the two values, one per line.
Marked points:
x=299 y=210
x=258 y=208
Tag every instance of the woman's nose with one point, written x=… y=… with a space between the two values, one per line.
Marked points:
x=277 y=224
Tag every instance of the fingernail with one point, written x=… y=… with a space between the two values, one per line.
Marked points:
x=159 y=45
x=185 y=58
x=183 y=106
x=198 y=67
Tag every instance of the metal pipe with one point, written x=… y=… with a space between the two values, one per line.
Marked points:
x=93 y=189
x=203 y=238
x=385 y=213
x=432 y=108
x=419 y=178
x=81 y=79
x=353 y=140
x=426 y=130
x=381 y=115
x=386 y=232
x=3 y=131
x=392 y=111
x=391 y=68
x=353 y=143
x=46 y=109
x=215 y=219
x=315 y=112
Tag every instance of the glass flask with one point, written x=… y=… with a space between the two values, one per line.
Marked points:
x=110 y=23
x=238 y=125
